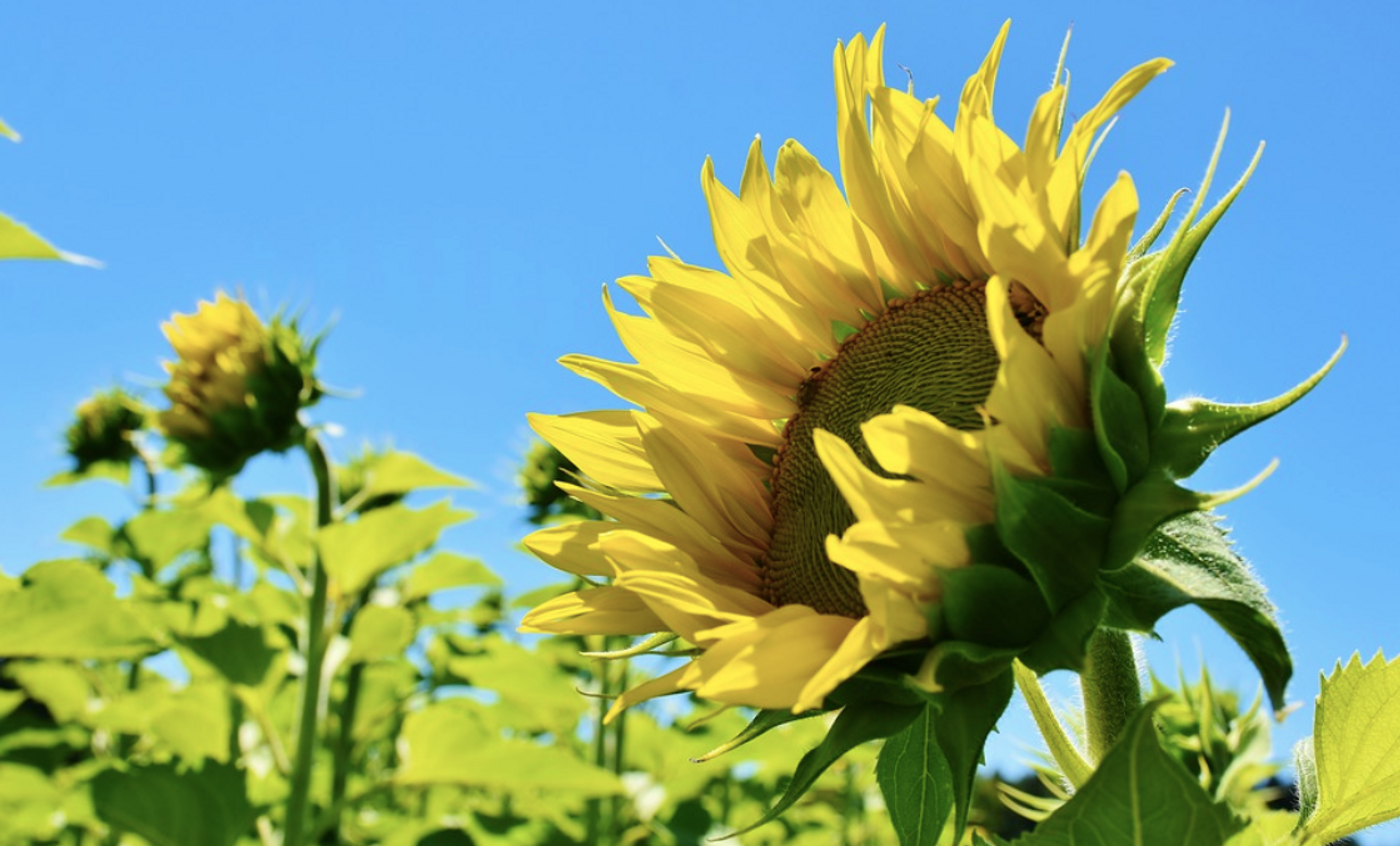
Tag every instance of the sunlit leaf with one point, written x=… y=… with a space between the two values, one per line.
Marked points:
x=442 y=748
x=28 y=801
x=68 y=609
x=539 y=693
x=63 y=688
x=354 y=554
x=169 y=807
x=1190 y=560
x=92 y=532
x=402 y=472
x=380 y=632
x=159 y=537
x=1356 y=747
x=239 y=652
x=1139 y=796
x=446 y=570
x=915 y=780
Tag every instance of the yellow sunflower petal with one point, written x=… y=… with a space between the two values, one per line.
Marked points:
x=573 y=547
x=604 y=444
x=768 y=664
x=600 y=610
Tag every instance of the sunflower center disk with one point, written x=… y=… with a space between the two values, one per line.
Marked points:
x=931 y=352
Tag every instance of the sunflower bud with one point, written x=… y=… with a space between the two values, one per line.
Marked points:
x=103 y=428
x=236 y=385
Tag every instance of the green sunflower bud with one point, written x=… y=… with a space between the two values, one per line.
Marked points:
x=236 y=386
x=103 y=429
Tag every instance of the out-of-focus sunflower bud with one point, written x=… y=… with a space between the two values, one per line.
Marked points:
x=103 y=428
x=236 y=386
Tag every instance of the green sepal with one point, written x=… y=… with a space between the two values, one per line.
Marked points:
x=1162 y=289
x=1074 y=454
x=1190 y=561
x=955 y=664
x=884 y=681
x=1305 y=772
x=1158 y=226
x=1075 y=768
x=1064 y=642
x=987 y=604
x=1059 y=542
x=856 y=724
x=763 y=722
x=1120 y=424
x=1139 y=795
x=1193 y=428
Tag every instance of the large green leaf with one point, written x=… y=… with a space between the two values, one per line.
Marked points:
x=380 y=632
x=915 y=779
x=62 y=687
x=192 y=723
x=1190 y=560
x=29 y=800
x=1139 y=796
x=1356 y=748
x=354 y=554
x=538 y=693
x=68 y=609
x=446 y=570
x=159 y=537
x=443 y=745
x=169 y=807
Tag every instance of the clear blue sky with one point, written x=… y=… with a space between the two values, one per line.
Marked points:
x=454 y=184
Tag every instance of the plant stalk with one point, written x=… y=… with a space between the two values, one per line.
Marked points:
x=308 y=718
x=1112 y=690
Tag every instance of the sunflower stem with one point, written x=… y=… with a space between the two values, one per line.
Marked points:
x=1112 y=689
x=315 y=651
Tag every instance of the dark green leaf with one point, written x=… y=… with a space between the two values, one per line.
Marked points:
x=1190 y=560
x=204 y=807
x=916 y=781
x=964 y=720
x=987 y=604
x=855 y=725
x=1139 y=796
x=239 y=652
x=763 y=722
x=1062 y=644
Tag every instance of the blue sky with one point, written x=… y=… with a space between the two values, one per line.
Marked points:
x=452 y=184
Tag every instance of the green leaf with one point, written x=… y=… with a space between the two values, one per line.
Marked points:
x=92 y=532
x=914 y=778
x=1356 y=741
x=854 y=725
x=402 y=472
x=108 y=471
x=1067 y=756
x=354 y=554
x=446 y=570
x=169 y=807
x=159 y=537
x=442 y=745
x=1190 y=560
x=540 y=694
x=1065 y=641
x=380 y=632
x=1061 y=544
x=1271 y=828
x=67 y=609
x=62 y=688
x=28 y=802
x=1139 y=796
x=238 y=651
x=927 y=771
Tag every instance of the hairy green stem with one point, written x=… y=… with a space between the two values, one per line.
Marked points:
x=308 y=718
x=1112 y=689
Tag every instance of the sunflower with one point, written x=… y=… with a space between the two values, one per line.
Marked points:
x=236 y=384
x=925 y=413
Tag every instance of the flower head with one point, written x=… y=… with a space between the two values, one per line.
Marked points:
x=236 y=385
x=912 y=426
x=103 y=429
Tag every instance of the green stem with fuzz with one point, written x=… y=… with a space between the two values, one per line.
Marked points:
x=315 y=651
x=1112 y=689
